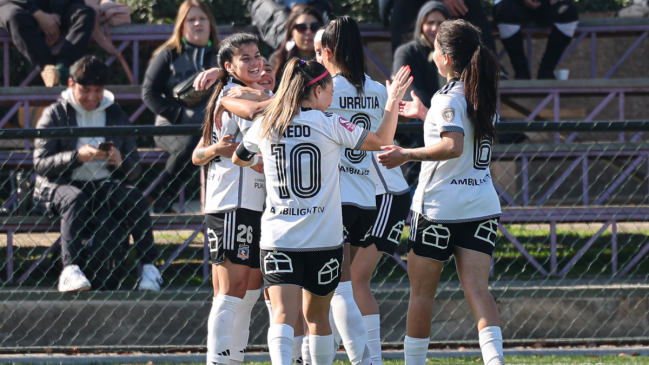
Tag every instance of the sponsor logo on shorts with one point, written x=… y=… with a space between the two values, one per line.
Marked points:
x=487 y=231
x=396 y=232
x=213 y=240
x=243 y=252
x=436 y=235
x=277 y=263
x=329 y=272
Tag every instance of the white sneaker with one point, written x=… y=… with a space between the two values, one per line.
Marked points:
x=72 y=279
x=151 y=278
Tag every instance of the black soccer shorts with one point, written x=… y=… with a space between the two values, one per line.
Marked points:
x=436 y=241
x=391 y=219
x=317 y=272
x=357 y=224
x=234 y=235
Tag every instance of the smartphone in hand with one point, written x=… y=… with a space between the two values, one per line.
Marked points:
x=105 y=146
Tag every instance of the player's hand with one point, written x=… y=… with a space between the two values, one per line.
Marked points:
x=533 y=4
x=225 y=147
x=457 y=8
x=115 y=157
x=400 y=84
x=49 y=24
x=246 y=93
x=393 y=156
x=259 y=167
x=413 y=109
x=88 y=153
x=218 y=114
x=206 y=79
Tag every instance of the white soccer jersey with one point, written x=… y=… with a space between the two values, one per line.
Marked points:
x=303 y=207
x=229 y=186
x=460 y=189
x=365 y=110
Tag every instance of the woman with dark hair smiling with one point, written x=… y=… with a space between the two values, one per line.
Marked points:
x=303 y=23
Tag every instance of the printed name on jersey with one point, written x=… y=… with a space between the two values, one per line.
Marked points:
x=353 y=171
x=347 y=124
x=481 y=154
x=277 y=263
x=487 y=231
x=359 y=102
x=297 y=131
x=296 y=211
x=448 y=114
x=471 y=182
x=329 y=272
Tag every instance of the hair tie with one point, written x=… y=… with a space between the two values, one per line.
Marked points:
x=302 y=63
x=317 y=78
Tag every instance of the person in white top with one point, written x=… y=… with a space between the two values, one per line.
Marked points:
x=302 y=235
x=455 y=207
x=361 y=100
x=233 y=205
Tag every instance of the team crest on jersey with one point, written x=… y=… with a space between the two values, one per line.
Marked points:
x=347 y=124
x=243 y=252
x=448 y=114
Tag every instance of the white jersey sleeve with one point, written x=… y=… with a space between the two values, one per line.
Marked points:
x=251 y=139
x=346 y=133
x=447 y=114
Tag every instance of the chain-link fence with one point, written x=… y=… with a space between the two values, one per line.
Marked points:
x=569 y=263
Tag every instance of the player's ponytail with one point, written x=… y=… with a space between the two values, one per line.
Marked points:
x=477 y=67
x=343 y=37
x=300 y=78
x=225 y=54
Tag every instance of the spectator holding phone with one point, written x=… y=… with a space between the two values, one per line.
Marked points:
x=87 y=180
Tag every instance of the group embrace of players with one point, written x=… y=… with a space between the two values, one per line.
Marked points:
x=312 y=197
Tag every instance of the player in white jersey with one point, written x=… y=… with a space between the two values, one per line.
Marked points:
x=455 y=207
x=301 y=243
x=233 y=205
x=361 y=100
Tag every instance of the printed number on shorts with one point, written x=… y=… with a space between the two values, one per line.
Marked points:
x=245 y=234
x=361 y=120
x=305 y=172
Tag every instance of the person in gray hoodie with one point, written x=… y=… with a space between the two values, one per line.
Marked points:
x=87 y=181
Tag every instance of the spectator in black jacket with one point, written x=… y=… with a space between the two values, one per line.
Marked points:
x=418 y=55
x=86 y=181
x=192 y=48
x=36 y=25
x=562 y=15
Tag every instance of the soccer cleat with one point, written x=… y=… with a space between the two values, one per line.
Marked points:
x=151 y=278
x=50 y=75
x=72 y=279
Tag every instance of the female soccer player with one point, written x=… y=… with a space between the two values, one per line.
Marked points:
x=301 y=245
x=364 y=186
x=233 y=206
x=455 y=210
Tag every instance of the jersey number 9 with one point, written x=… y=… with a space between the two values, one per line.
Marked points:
x=361 y=120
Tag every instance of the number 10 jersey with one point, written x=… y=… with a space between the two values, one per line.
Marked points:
x=303 y=205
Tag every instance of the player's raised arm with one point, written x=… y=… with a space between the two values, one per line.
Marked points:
x=385 y=133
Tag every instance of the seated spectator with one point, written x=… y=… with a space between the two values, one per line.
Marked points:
x=87 y=180
x=36 y=25
x=511 y=14
x=271 y=17
x=403 y=17
x=109 y=13
x=418 y=55
x=191 y=49
x=302 y=25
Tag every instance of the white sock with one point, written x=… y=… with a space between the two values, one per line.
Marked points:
x=349 y=321
x=270 y=311
x=280 y=344
x=306 y=353
x=241 y=325
x=297 y=349
x=219 y=328
x=415 y=350
x=321 y=348
x=334 y=331
x=491 y=345
x=373 y=325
